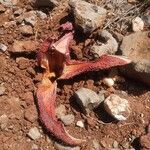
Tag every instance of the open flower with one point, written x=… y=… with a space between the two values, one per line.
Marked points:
x=54 y=57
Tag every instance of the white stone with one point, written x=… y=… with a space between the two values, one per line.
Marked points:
x=2 y=89
x=3 y=121
x=34 y=133
x=108 y=81
x=137 y=24
x=34 y=147
x=117 y=107
x=80 y=124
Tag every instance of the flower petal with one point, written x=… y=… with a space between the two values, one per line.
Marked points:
x=66 y=26
x=46 y=96
x=73 y=67
x=62 y=45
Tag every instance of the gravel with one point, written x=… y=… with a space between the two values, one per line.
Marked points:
x=3 y=47
x=67 y=119
x=34 y=133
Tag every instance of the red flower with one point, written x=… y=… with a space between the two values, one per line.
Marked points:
x=54 y=57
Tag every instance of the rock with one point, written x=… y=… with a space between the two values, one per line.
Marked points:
x=132 y=1
x=34 y=147
x=24 y=46
x=60 y=111
x=26 y=30
x=136 y=47
x=23 y=63
x=46 y=3
x=148 y=128
x=3 y=47
x=34 y=133
x=31 y=114
x=117 y=107
x=88 y=16
x=30 y=18
x=28 y=97
x=80 y=124
x=18 y=12
x=146 y=19
x=137 y=24
x=67 y=119
x=9 y=3
x=145 y=142
x=108 y=81
x=87 y=99
x=2 y=89
x=41 y=15
x=3 y=121
x=110 y=46
x=2 y=9
x=95 y=145
x=107 y=143
x=62 y=147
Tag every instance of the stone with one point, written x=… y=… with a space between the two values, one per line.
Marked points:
x=26 y=30
x=46 y=3
x=148 y=128
x=145 y=142
x=18 y=12
x=88 y=16
x=3 y=121
x=3 y=47
x=137 y=24
x=146 y=19
x=58 y=146
x=67 y=119
x=2 y=9
x=22 y=62
x=136 y=47
x=9 y=3
x=34 y=133
x=2 y=89
x=117 y=107
x=108 y=81
x=31 y=114
x=34 y=147
x=80 y=124
x=106 y=44
x=107 y=143
x=87 y=99
x=30 y=18
x=60 y=111
x=24 y=46
x=41 y=14
x=132 y=1
x=95 y=145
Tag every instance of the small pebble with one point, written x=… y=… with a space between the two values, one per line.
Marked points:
x=67 y=119
x=26 y=30
x=34 y=147
x=80 y=124
x=3 y=47
x=60 y=111
x=2 y=9
x=95 y=145
x=2 y=89
x=3 y=121
x=63 y=147
x=108 y=81
x=18 y=12
x=117 y=107
x=34 y=133
x=137 y=24
x=41 y=14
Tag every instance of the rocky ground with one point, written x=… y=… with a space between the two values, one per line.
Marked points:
x=118 y=27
